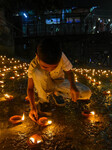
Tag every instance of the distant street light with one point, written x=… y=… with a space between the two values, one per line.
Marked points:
x=25 y=15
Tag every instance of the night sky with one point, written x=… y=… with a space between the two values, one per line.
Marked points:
x=54 y=4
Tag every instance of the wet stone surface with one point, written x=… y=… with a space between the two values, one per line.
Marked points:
x=69 y=130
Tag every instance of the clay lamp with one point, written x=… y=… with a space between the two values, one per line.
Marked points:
x=93 y=81
x=12 y=78
x=87 y=113
x=1 y=82
x=22 y=74
x=106 y=92
x=17 y=75
x=98 y=83
x=17 y=119
x=4 y=70
x=34 y=140
x=2 y=86
x=8 y=97
x=44 y=121
x=2 y=75
x=15 y=67
x=88 y=78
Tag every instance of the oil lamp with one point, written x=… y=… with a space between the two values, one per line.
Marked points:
x=17 y=119
x=34 y=140
x=2 y=75
x=87 y=113
x=93 y=81
x=12 y=78
x=44 y=121
x=98 y=83
x=106 y=92
x=2 y=86
x=8 y=97
x=17 y=75
x=1 y=82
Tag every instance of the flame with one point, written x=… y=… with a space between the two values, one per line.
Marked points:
x=39 y=141
x=99 y=82
x=108 y=92
x=2 y=86
x=1 y=82
x=23 y=117
x=12 y=77
x=7 y=96
x=92 y=112
x=94 y=80
x=49 y=122
x=32 y=140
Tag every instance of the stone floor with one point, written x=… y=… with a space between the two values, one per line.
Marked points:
x=69 y=130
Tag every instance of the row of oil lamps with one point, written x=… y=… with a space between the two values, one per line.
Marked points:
x=86 y=73
x=13 y=68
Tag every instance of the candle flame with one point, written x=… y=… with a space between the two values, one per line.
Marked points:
x=23 y=117
x=32 y=140
x=94 y=80
x=49 y=122
x=39 y=141
x=7 y=96
x=92 y=112
x=108 y=92
x=99 y=82
x=1 y=82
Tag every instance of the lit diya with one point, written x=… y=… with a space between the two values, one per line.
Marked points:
x=87 y=113
x=8 y=97
x=44 y=121
x=35 y=140
x=1 y=82
x=12 y=78
x=98 y=83
x=93 y=81
x=106 y=92
x=17 y=119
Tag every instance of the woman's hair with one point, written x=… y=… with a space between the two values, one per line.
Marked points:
x=49 y=51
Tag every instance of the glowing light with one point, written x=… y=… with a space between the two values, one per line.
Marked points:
x=2 y=86
x=108 y=92
x=1 y=82
x=49 y=122
x=39 y=141
x=7 y=96
x=23 y=117
x=92 y=112
x=12 y=78
x=15 y=67
x=32 y=140
x=99 y=82
x=94 y=27
x=25 y=15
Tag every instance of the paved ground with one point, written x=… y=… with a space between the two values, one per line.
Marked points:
x=69 y=130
